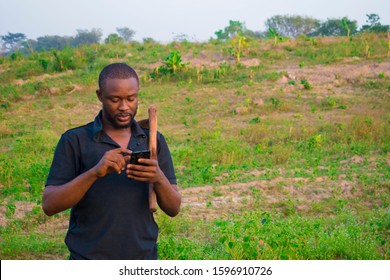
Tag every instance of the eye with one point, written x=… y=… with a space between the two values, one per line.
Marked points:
x=114 y=100
x=132 y=98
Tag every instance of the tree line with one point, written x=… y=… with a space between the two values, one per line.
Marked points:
x=295 y=25
x=277 y=26
x=13 y=42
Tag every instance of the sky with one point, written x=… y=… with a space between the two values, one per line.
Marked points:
x=164 y=20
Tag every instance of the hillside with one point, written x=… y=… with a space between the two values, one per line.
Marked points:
x=282 y=155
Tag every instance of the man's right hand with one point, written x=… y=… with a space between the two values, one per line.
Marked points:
x=57 y=198
x=112 y=161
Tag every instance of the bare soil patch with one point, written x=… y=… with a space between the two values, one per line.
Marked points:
x=209 y=202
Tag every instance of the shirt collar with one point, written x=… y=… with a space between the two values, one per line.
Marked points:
x=97 y=128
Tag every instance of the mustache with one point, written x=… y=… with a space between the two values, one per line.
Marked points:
x=124 y=115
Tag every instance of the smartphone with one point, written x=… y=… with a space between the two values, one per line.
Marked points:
x=139 y=154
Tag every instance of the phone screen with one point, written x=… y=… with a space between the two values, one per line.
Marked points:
x=139 y=154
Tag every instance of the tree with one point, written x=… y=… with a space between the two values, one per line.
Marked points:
x=235 y=28
x=292 y=26
x=149 y=40
x=373 y=19
x=126 y=33
x=29 y=45
x=13 y=41
x=255 y=34
x=181 y=37
x=85 y=37
x=114 y=38
x=336 y=27
x=49 y=42
x=374 y=24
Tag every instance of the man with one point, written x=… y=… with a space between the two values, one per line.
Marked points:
x=110 y=216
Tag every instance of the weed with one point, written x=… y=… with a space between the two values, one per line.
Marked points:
x=291 y=82
x=239 y=43
x=10 y=210
x=306 y=84
x=255 y=120
x=275 y=102
x=172 y=64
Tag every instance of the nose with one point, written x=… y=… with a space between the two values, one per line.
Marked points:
x=123 y=105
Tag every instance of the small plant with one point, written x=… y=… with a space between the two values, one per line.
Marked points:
x=239 y=43
x=345 y=24
x=291 y=82
x=199 y=75
x=275 y=35
x=255 y=120
x=331 y=101
x=366 y=49
x=189 y=100
x=10 y=210
x=44 y=63
x=15 y=55
x=173 y=64
x=275 y=102
x=306 y=84
x=221 y=71
x=315 y=142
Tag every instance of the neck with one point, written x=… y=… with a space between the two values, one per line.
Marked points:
x=120 y=135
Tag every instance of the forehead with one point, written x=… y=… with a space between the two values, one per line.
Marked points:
x=115 y=84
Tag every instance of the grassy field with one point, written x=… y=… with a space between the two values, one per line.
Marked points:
x=284 y=155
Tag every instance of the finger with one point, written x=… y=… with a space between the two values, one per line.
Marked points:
x=140 y=178
x=126 y=158
x=140 y=168
x=146 y=161
x=121 y=151
x=120 y=162
x=123 y=159
x=126 y=152
x=113 y=166
x=140 y=175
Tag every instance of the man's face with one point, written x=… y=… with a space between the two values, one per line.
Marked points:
x=120 y=102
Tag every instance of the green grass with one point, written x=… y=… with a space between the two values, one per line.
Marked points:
x=263 y=235
x=315 y=154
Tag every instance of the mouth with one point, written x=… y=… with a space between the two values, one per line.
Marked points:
x=123 y=117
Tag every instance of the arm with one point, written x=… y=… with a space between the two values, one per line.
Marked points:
x=168 y=196
x=57 y=198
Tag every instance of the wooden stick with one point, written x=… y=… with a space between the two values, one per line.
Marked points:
x=153 y=153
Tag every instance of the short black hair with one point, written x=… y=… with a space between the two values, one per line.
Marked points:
x=116 y=71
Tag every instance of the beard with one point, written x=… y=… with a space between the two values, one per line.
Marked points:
x=113 y=119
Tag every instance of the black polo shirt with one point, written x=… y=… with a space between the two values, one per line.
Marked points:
x=112 y=220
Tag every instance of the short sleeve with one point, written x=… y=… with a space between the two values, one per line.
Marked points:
x=65 y=165
x=165 y=160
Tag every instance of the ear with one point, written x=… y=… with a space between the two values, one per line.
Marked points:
x=99 y=95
